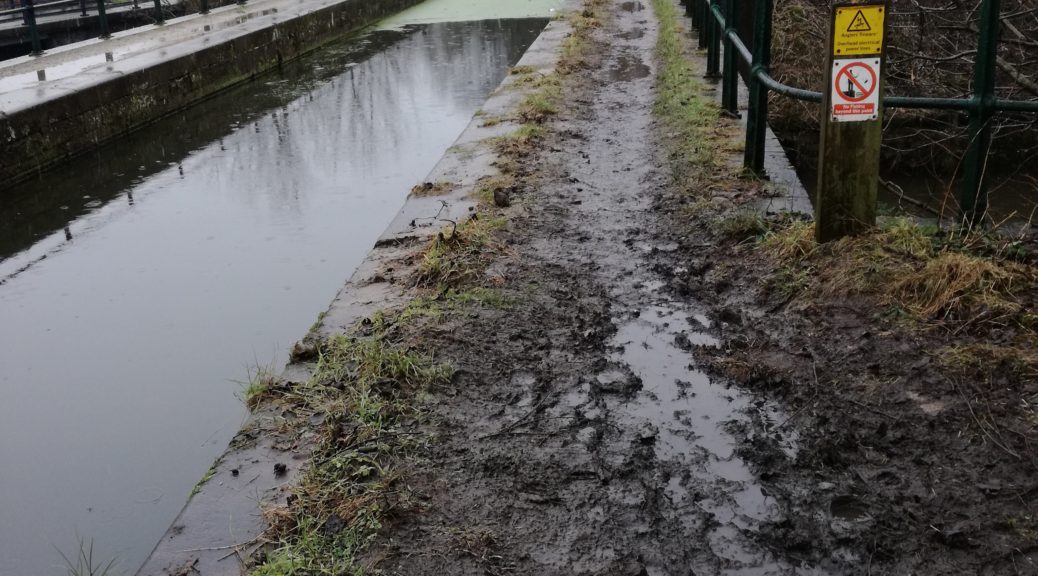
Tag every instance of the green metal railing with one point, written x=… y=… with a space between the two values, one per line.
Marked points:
x=29 y=11
x=715 y=20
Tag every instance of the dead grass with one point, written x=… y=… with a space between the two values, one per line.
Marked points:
x=490 y=121
x=459 y=253
x=1017 y=359
x=741 y=225
x=541 y=104
x=906 y=265
x=952 y=283
x=519 y=144
x=432 y=188
x=792 y=243
x=576 y=49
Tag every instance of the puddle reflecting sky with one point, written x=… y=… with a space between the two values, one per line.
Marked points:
x=138 y=284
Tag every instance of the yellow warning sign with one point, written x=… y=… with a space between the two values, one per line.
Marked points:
x=859 y=23
x=858 y=30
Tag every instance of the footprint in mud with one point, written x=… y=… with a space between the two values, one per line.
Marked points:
x=629 y=68
x=632 y=34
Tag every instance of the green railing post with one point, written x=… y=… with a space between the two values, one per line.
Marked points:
x=159 y=18
x=102 y=19
x=757 y=117
x=34 y=32
x=690 y=10
x=973 y=193
x=730 y=77
x=702 y=6
x=713 y=49
x=205 y=7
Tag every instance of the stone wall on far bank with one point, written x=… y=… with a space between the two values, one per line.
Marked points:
x=36 y=136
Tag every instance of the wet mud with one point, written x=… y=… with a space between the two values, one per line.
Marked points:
x=581 y=436
x=645 y=406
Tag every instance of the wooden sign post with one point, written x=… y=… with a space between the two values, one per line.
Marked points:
x=852 y=113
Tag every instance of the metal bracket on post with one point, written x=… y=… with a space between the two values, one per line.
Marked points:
x=973 y=193
x=757 y=115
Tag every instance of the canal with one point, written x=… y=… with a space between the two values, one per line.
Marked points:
x=139 y=286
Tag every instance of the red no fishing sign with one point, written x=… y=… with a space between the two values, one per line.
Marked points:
x=855 y=90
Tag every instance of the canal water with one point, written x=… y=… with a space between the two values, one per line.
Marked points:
x=140 y=285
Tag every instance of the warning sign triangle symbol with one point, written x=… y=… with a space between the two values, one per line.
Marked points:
x=859 y=23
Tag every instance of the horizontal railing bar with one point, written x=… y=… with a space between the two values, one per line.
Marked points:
x=791 y=91
x=741 y=48
x=22 y=9
x=1016 y=105
x=917 y=102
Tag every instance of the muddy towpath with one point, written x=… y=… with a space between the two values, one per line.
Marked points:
x=590 y=372
x=578 y=436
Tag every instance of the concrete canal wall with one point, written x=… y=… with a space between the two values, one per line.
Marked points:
x=38 y=132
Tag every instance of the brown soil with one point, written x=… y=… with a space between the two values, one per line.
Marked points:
x=642 y=404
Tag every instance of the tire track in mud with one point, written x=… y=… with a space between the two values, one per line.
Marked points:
x=580 y=438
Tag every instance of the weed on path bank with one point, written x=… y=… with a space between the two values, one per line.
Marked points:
x=364 y=396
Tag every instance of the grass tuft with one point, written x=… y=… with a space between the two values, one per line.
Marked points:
x=742 y=225
x=263 y=384
x=540 y=104
x=1019 y=359
x=952 y=283
x=792 y=243
x=432 y=188
x=361 y=388
x=901 y=263
x=458 y=253
x=83 y=563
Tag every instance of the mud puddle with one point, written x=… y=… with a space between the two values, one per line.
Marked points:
x=695 y=427
x=685 y=416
